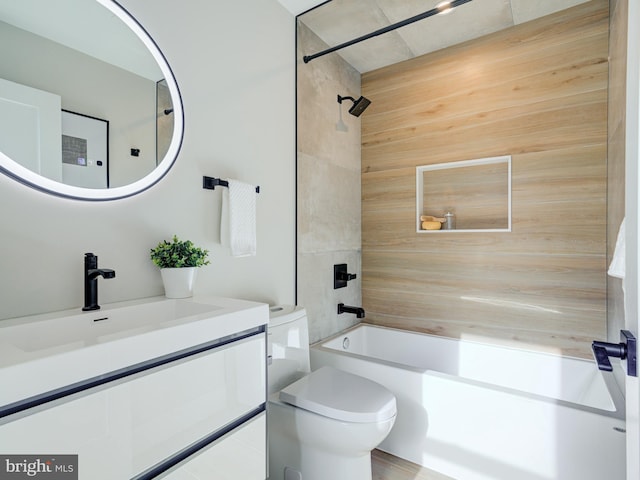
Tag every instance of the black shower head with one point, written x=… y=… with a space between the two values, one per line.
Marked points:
x=359 y=105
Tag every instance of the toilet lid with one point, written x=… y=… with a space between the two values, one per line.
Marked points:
x=342 y=396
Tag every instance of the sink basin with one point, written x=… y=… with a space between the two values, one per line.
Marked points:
x=42 y=353
x=107 y=324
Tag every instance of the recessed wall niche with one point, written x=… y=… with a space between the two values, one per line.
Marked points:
x=477 y=192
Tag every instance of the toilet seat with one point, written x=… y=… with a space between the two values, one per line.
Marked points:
x=342 y=396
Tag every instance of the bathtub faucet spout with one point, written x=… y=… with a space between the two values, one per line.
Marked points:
x=342 y=308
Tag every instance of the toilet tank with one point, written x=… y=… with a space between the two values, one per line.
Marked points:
x=287 y=345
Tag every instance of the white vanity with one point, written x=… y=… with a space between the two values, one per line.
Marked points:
x=155 y=388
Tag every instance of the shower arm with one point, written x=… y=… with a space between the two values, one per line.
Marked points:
x=341 y=98
x=430 y=13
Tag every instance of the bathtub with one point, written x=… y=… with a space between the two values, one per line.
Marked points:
x=474 y=411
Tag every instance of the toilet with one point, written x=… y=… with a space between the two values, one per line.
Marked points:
x=322 y=424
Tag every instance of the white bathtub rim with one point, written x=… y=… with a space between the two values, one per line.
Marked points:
x=617 y=397
x=444 y=338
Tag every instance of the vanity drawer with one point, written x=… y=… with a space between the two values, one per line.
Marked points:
x=126 y=427
x=239 y=455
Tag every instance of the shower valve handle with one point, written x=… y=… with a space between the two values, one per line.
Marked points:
x=341 y=276
x=346 y=276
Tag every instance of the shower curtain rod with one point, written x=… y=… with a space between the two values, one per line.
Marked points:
x=430 y=13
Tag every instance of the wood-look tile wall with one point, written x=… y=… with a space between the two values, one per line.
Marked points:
x=537 y=92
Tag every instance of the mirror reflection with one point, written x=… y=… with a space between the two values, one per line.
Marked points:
x=82 y=100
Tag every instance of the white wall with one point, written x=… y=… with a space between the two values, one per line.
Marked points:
x=632 y=205
x=234 y=63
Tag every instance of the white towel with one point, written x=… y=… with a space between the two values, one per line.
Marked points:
x=617 y=268
x=238 y=218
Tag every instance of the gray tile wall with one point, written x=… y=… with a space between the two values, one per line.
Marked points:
x=328 y=187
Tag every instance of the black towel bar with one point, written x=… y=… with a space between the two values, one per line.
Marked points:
x=210 y=183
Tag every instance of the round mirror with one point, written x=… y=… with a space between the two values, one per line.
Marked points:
x=89 y=107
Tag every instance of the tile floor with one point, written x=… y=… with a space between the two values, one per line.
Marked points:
x=389 y=467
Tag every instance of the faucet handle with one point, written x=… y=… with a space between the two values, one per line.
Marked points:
x=90 y=261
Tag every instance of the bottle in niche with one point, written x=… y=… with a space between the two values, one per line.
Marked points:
x=449 y=221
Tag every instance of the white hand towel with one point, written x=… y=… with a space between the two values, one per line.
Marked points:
x=238 y=218
x=617 y=268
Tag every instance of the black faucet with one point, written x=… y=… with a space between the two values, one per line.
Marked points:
x=91 y=274
x=342 y=308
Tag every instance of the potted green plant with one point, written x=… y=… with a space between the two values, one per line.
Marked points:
x=178 y=261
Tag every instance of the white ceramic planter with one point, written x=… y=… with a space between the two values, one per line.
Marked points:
x=178 y=282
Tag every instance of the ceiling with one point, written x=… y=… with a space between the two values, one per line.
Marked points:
x=339 y=21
